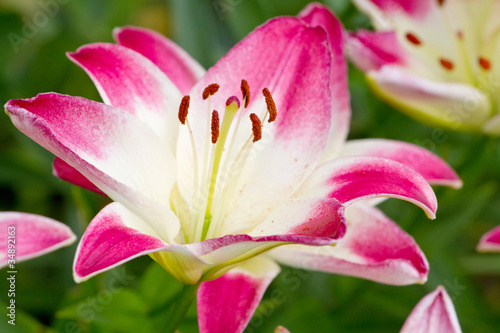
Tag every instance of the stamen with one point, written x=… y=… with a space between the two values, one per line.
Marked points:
x=183 y=109
x=446 y=63
x=215 y=126
x=440 y=2
x=460 y=34
x=210 y=90
x=413 y=39
x=256 y=127
x=484 y=63
x=245 y=91
x=271 y=107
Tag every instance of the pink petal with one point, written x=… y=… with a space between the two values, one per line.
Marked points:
x=435 y=313
x=309 y=217
x=66 y=172
x=113 y=149
x=227 y=303
x=117 y=235
x=350 y=179
x=30 y=236
x=431 y=167
x=112 y=238
x=413 y=8
x=177 y=64
x=373 y=248
x=317 y=15
x=127 y=80
x=490 y=242
x=293 y=61
x=371 y=50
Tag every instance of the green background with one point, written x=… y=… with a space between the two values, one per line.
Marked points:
x=48 y=300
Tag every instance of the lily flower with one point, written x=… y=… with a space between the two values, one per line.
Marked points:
x=25 y=236
x=210 y=170
x=435 y=313
x=490 y=242
x=433 y=60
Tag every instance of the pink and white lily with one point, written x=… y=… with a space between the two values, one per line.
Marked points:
x=434 y=59
x=206 y=187
x=435 y=313
x=25 y=236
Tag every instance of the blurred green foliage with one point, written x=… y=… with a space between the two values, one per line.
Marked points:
x=131 y=298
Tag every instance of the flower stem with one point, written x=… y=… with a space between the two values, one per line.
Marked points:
x=178 y=308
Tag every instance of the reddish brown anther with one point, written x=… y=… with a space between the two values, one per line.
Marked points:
x=256 y=127
x=271 y=107
x=413 y=39
x=183 y=109
x=215 y=126
x=447 y=64
x=484 y=63
x=210 y=90
x=245 y=91
x=440 y=2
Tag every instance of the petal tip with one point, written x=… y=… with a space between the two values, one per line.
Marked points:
x=78 y=279
x=455 y=184
x=117 y=31
x=487 y=247
x=423 y=279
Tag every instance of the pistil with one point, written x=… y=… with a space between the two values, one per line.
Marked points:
x=232 y=106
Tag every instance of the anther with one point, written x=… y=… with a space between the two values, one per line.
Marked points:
x=484 y=63
x=440 y=2
x=245 y=91
x=210 y=90
x=271 y=107
x=256 y=127
x=183 y=109
x=446 y=63
x=413 y=39
x=215 y=126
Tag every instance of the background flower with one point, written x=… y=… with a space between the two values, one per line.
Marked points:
x=433 y=314
x=27 y=236
x=434 y=60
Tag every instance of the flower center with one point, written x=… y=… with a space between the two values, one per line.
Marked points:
x=466 y=56
x=217 y=183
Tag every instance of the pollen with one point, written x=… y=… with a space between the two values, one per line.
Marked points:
x=210 y=90
x=256 y=127
x=271 y=107
x=245 y=91
x=215 y=126
x=413 y=39
x=183 y=109
x=484 y=63
x=447 y=64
